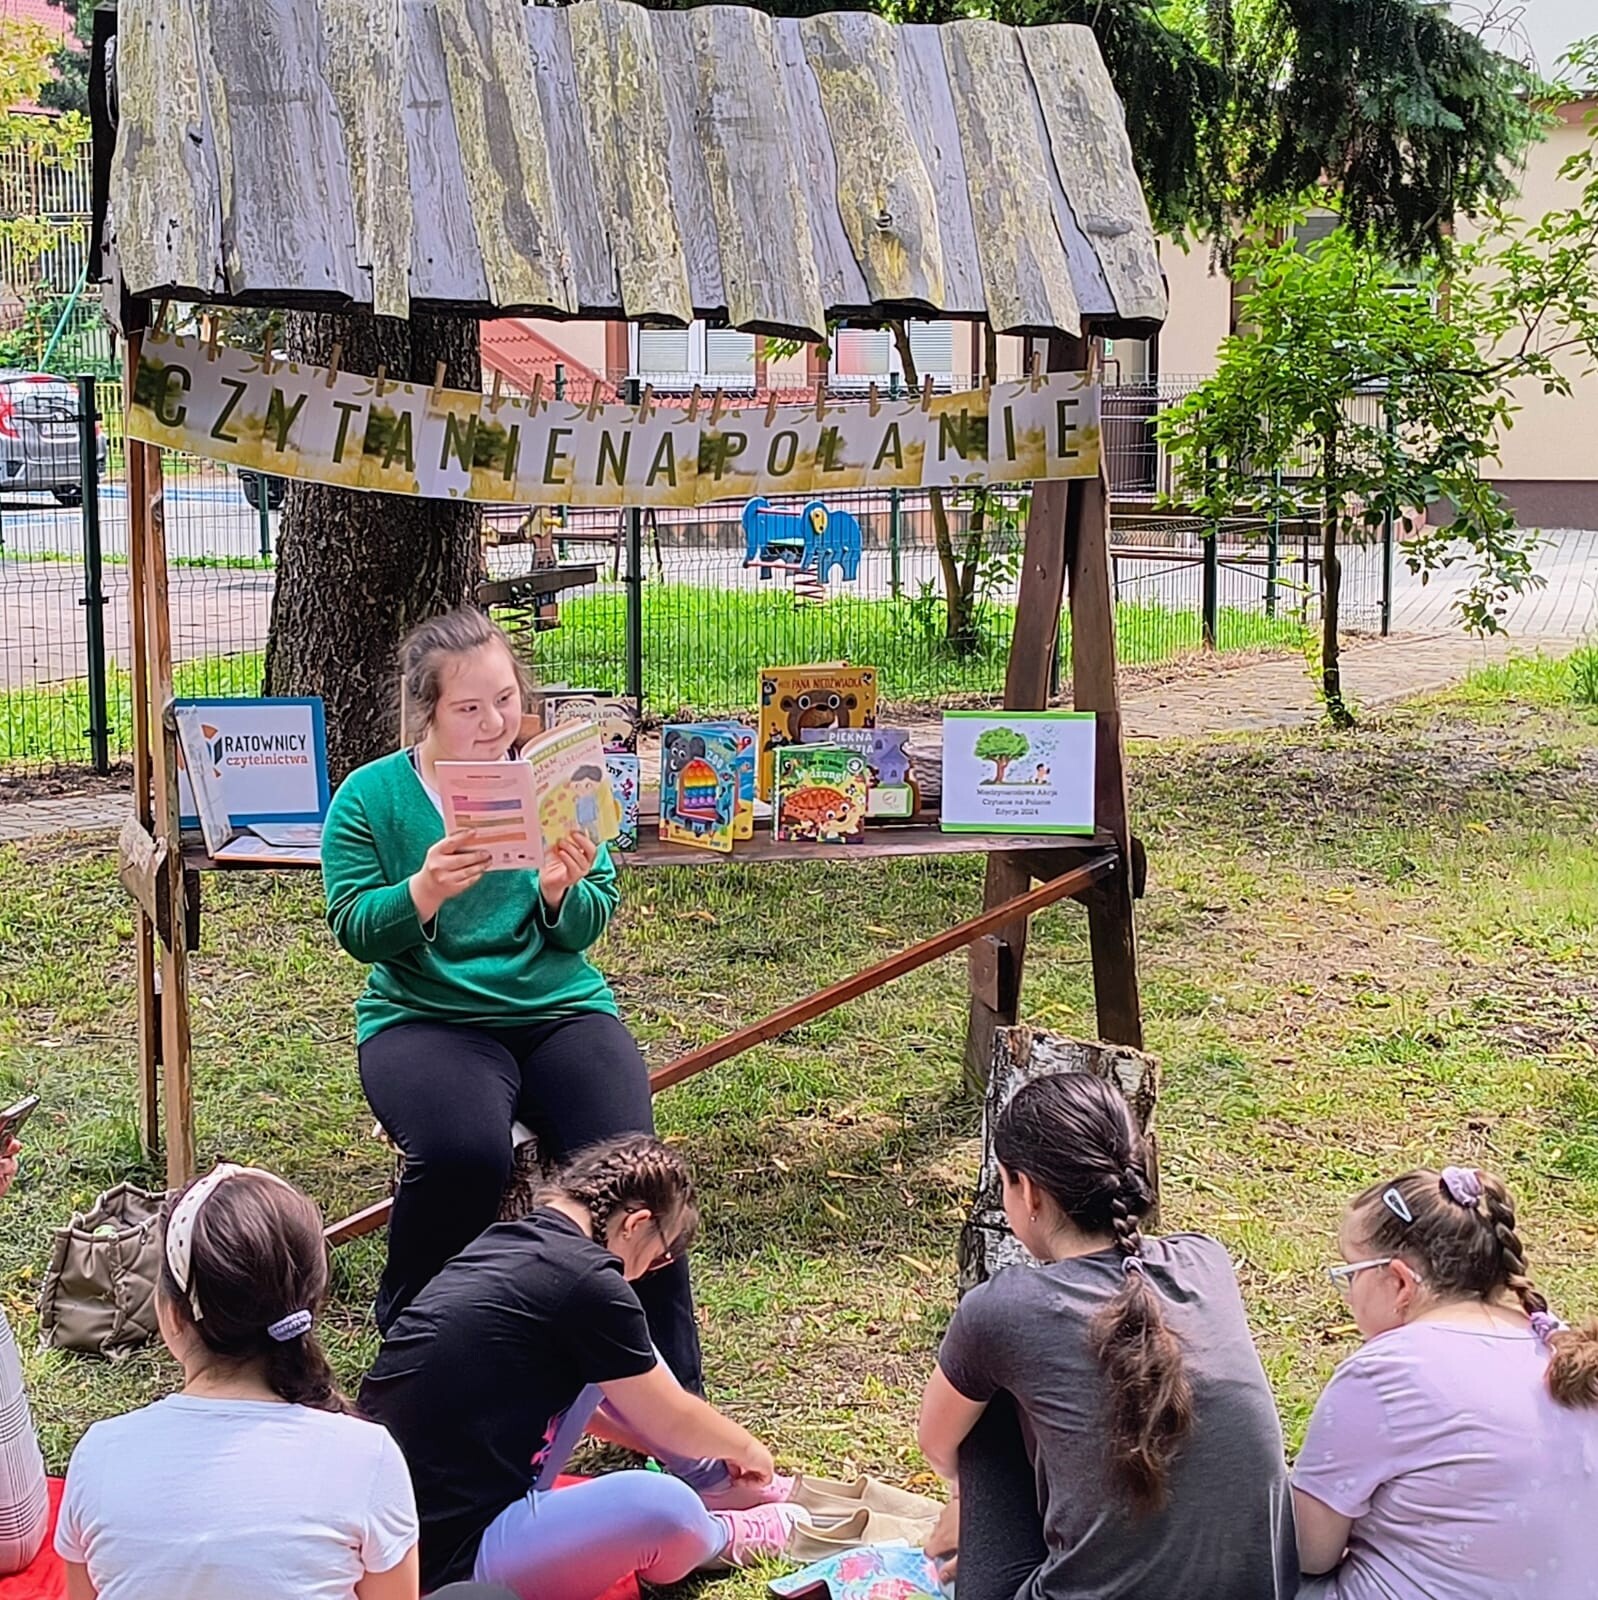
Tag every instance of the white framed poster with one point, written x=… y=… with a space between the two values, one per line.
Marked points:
x=1018 y=771
x=268 y=759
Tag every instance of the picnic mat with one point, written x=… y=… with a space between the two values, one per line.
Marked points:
x=46 y=1577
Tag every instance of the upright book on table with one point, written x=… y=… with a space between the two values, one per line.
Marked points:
x=521 y=809
x=624 y=784
x=793 y=699
x=699 y=785
x=821 y=795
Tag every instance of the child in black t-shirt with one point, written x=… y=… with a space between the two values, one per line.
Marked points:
x=491 y=1375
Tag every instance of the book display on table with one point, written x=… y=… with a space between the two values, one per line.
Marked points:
x=819 y=698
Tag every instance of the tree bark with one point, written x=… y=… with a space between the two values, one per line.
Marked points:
x=1331 y=592
x=356 y=570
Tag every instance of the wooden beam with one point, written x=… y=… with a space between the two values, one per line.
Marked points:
x=147 y=1006
x=1111 y=935
x=873 y=977
x=177 y=1091
x=1079 y=880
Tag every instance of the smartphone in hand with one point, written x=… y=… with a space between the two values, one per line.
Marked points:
x=13 y=1117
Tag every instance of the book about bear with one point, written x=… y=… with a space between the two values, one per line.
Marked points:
x=822 y=696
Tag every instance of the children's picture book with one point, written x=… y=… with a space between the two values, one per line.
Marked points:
x=522 y=809
x=743 y=822
x=614 y=716
x=824 y=696
x=821 y=795
x=885 y=751
x=624 y=781
x=1018 y=771
x=699 y=785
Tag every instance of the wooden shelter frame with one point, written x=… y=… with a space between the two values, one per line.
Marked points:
x=1065 y=561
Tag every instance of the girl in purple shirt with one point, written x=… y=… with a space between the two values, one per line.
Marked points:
x=1455 y=1456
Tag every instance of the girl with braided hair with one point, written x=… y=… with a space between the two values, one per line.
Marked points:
x=1104 y=1415
x=1456 y=1453
x=534 y=1334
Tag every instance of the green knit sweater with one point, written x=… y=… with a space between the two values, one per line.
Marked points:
x=493 y=957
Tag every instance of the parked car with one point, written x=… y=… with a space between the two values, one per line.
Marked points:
x=250 y=483
x=39 y=447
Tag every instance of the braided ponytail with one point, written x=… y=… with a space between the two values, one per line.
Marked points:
x=634 y=1172
x=1072 y=1135
x=1463 y=1237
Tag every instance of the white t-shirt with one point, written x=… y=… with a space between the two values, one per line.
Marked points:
x=197 y=1499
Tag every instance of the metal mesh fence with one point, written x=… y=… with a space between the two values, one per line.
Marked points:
x=710 y=618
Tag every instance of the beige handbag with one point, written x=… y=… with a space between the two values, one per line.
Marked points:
x=99 y=1294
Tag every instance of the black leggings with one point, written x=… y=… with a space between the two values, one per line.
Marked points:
x=1001 y=1527
x=447 y=1096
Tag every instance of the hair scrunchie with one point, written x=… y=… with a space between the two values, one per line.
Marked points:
x=1463 y=1185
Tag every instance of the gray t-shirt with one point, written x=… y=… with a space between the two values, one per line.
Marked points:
x=1226 y=1531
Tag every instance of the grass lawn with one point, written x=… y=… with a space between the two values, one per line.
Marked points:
x=1358 y=951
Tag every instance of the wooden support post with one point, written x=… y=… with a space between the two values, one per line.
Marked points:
x=1094 y=688
x=153 y=685
x=996 y=1003
x=147 y=1002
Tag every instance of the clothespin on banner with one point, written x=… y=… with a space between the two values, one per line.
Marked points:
x=821 y=398
x=438 y=381
x=160 y=317
x=213 y=331
x=332 y=364
x=771 y=409
x=646 y=403
x=717 y=405
x=266 y=351
x=693 y=404
x=875 y=401
x=926 y=392
x=1035 y=373
x=596 y=402
x=379 y=379
x=537 y=397
x=494 y=399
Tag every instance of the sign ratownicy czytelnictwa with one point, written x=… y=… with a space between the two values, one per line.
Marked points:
x=268 y=757
x=409 y=439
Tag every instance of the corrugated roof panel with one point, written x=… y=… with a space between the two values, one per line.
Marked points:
x=600 y=160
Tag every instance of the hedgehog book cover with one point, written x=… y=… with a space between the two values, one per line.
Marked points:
x=821 y=795
x=793 y=699
x=699 y=785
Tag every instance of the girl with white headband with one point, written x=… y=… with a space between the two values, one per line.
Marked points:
x=256 y=1482
x=1456 y=1453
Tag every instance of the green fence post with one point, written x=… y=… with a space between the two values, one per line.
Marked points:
x=1387 y=545
x=1211 y=598
x=263 y=511
x=895 y=517
x=93 y=601
x=560 y=511
x=1273 y=545
x=635 y=588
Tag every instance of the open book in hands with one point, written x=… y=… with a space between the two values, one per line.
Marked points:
x=520 y=810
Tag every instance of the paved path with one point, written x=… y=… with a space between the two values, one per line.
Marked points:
x=1270 y=692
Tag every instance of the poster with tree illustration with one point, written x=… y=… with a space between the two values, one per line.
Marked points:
x=1018 y=771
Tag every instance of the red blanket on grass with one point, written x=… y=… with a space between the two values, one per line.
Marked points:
x=46 y=1578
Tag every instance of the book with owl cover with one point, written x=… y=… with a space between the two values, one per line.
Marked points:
x=825 y=695
x=624 y=783
x=699 y=784
x=821 y=795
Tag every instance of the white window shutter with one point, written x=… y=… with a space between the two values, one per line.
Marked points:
x=729 y=354
x=932 y=347
x=664 y=351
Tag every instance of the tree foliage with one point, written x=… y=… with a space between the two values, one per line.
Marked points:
x=68 y=89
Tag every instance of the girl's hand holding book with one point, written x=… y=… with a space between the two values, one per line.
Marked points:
x=450 y=868
x=569 y=862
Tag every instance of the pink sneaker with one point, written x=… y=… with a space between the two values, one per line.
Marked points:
x=741 y=1495
x=758 y=1534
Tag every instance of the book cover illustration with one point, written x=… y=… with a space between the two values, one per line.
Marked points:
x=698 y=786
x=743 y=822
x=613 y=715
x=624 y=782
x=894 y=794
x=792 y=699
x=1018 y=771
x=821 y=795
x=522 y=809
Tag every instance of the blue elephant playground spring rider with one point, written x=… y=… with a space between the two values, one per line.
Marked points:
x=816 y=541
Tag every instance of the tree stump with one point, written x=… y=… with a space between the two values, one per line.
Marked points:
x=1021 y=1054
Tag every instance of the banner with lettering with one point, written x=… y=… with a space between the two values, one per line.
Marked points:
x=298 y=421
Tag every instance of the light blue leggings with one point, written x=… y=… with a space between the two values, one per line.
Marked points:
x=574 y=1543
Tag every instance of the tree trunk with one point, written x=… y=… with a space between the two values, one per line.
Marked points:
x=356 y=570
x=1331 y=591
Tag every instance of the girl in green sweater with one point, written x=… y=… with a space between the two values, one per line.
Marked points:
x=481 y=1008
